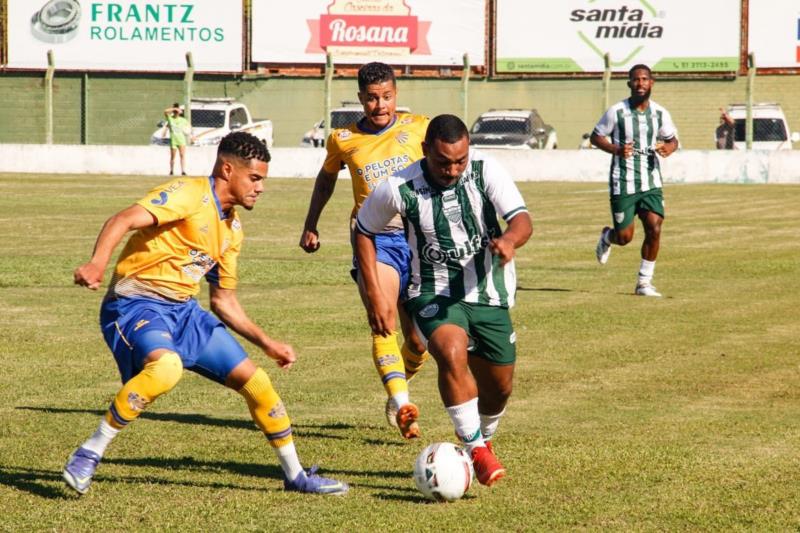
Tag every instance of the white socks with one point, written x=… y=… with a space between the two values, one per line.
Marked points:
x=400 y=399
x=467 y=422
x=646 y=272
x=101 y=438
x=290 y=463
x=489 y=424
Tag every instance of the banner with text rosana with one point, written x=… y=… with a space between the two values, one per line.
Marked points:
x=404 y=32
x=542 y=36
x=125 y=35
x=774 y=33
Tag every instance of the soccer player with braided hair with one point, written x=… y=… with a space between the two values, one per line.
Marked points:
x=184 y=230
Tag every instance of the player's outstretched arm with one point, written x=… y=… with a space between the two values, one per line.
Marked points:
x=379 y=311
x=323 y=190
x=90 y=274
x=516 y=234
x=226 y=306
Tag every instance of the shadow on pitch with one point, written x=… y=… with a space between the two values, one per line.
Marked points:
x=546 y=289
x=260 y=470
x=33 y=481
x=322 y=431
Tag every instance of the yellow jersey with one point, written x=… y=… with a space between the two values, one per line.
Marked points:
x=192 y=238
x=372 y=157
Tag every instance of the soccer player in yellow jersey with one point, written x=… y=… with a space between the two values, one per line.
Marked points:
x=382 y=143
x=185 y=230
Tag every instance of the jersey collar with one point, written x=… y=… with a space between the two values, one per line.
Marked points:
x=360 y=125
x=222 y=214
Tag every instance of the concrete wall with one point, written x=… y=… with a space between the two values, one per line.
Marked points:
x=124 y=108
x=685 y=166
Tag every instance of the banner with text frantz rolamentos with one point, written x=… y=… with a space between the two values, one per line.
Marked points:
x=126 y=35
x=542 y=36
x=399 y=32
x=774 y=33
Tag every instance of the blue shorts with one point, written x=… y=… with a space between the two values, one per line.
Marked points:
x=391 y=249
x=134 y=327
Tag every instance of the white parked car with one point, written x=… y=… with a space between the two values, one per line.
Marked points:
x=513 y=128
x=214 y=118
x=348 y=113
x=770 y=128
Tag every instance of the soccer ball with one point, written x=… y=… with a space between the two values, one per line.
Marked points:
x=443 y=472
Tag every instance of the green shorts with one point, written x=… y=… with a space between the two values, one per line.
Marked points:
x=491 y=334
x=624 y=208
x=177 y=142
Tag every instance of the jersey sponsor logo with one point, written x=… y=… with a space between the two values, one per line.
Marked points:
x=161 y=200
x=203 y=228
x=206 y=199
x=139 y=325
x=344 y=134
x=201 y=263
x=432 y=254
x=429 y=310
x=236 y=225
x=388 y=360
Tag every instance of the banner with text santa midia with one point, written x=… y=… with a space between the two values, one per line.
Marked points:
x=407 y=32
x=125 y=35
x=575 y=35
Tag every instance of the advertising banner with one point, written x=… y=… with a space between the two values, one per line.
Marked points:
x=125 y=35
x=406 y=32
x=542 y=36
x=774 y=33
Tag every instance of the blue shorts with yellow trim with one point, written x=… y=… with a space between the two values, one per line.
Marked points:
x=134 y=327
x=391 y=249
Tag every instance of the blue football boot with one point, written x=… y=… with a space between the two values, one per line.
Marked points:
x=80 y=469
x=312 y=483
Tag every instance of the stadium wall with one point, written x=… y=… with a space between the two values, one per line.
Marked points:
x=685 y=166
x=124 y=108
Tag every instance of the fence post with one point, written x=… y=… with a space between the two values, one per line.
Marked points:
x=85 y=115
x=465 y=89
x=48 y=98
x=328 y=88
x=188 y=79
x=606 y=80
x=748 y=120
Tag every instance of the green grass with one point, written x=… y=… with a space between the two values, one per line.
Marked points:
x=678 y=413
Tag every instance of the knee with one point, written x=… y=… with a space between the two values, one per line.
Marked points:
x=624 y=237
x=653 y=232
x=166 y=371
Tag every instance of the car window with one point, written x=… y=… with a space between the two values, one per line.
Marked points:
x=239 y=115
x=764 y=130
x=207 y=118
x=506 y=125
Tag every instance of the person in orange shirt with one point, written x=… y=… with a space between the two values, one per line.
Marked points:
x=375 y=147
x=187 y=229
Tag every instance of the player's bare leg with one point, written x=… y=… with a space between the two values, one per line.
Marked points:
x=652 y=242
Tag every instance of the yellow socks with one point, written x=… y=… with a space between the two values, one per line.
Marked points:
x=267 y=409
x=389 y=363
x=155 y=379
x=412 y=361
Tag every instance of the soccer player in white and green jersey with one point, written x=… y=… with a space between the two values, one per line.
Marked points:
x=635 y=131
x=462 y=276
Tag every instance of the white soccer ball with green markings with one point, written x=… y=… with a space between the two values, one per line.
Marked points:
x=443 y=472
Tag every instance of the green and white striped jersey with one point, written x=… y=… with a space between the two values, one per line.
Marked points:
x=624 y=125
x=449 y=229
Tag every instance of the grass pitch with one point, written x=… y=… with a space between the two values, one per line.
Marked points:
x=678 y=413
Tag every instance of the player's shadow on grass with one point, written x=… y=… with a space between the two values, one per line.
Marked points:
x=260 y=470
x=36 y=482
x=322 y=431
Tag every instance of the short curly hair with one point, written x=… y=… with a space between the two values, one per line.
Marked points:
x=373 y=73
x=244 y=146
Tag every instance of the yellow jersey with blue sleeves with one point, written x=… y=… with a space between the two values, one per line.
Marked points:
x=193 y=238
x=373 y=156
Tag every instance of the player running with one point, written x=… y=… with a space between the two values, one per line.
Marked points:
x=185 y=230
x=377 y=146
x=639 y=129
x=462 y=276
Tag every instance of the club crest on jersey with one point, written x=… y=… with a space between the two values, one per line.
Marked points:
x=429 y=310
x=619 y=217
x=453 y=213
x=401 y=137
x=344 y=134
